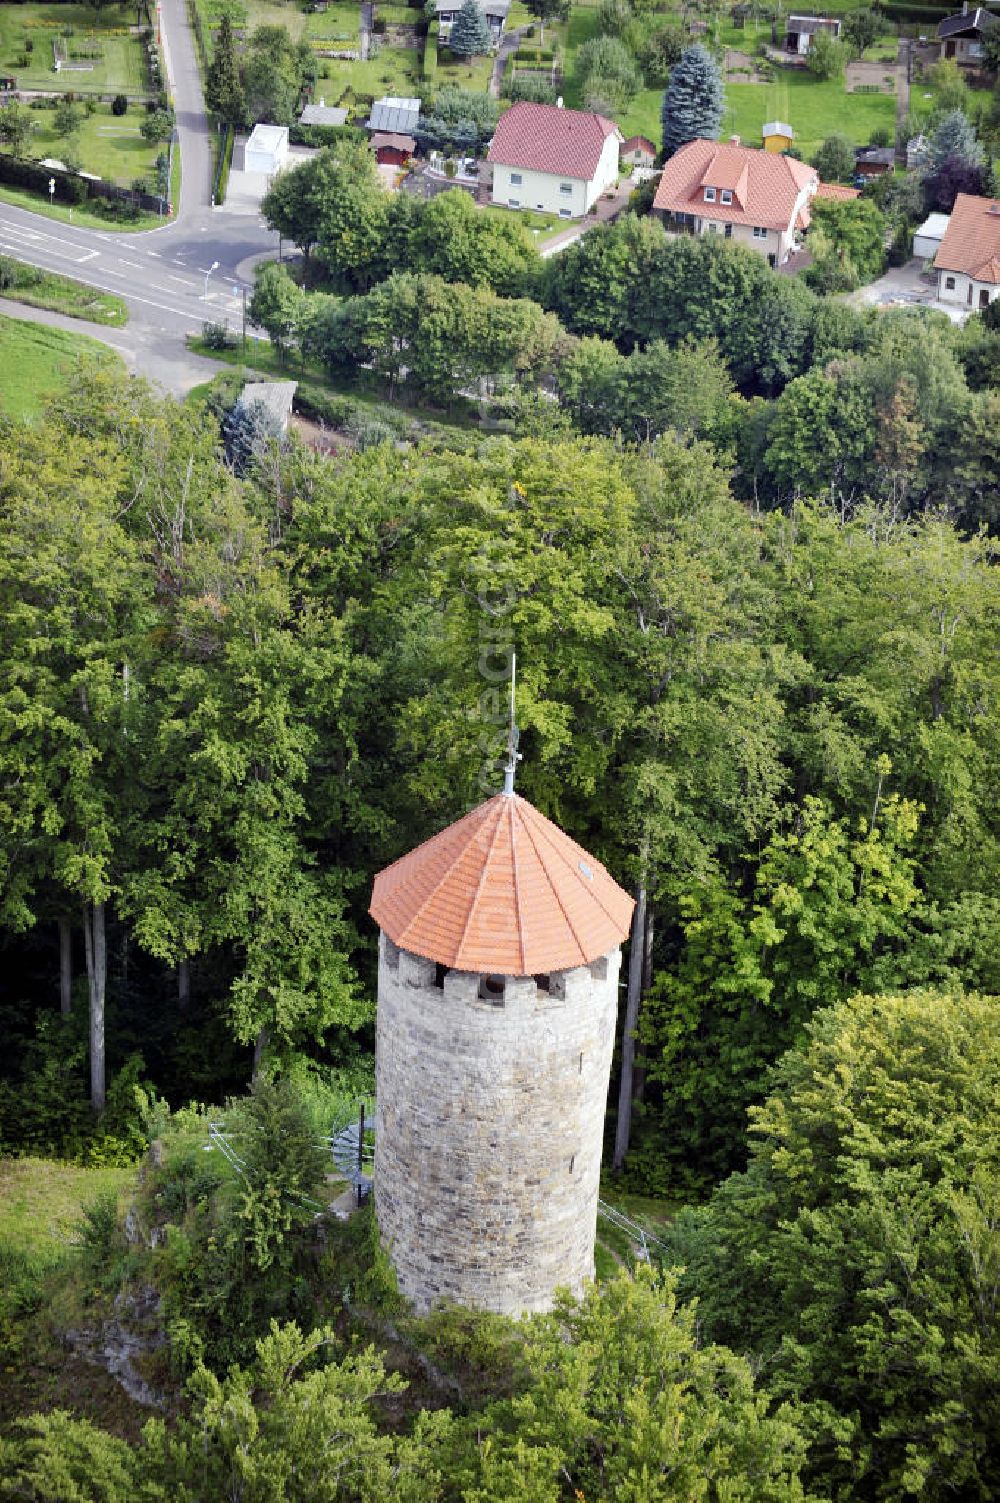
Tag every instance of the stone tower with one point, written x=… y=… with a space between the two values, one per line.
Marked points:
x=497 y=995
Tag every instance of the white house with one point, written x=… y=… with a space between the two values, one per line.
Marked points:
x=560 y=161
x=927 y=239
x=266 y=149
x=968 y=261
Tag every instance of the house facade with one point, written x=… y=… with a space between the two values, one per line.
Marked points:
x=495 y=11
x=556 y=160
x=740 y=193
x=961 y=37
x=968 y=258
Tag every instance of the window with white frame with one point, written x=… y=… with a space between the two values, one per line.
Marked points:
x=759 y=232
x=949 y=283
x=565 y=213
x=515 y=177
x=710 y=195
x=513 y=203
x=726 y=196
x=565 y=187
x=711 y=227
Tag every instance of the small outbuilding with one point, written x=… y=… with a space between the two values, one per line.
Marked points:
x=777 y=136
x=874 y=161
x=394 y=116
x=800 y=32
x=266 y=149
x=392 y=149
x=927 y=239
x=961 y=37
x=323 y=114
x=637 y=151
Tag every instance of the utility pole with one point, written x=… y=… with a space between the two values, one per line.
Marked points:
x=244 y=323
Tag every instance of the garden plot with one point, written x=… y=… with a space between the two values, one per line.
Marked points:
x=99 y=52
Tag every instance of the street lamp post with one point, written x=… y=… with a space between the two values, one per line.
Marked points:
x=214 y=267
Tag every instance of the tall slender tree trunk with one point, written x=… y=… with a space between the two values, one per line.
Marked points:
x=636 y=955
x=259 y=1047
x=65 y=967
x=639 y=1084
x=183 y=984
x=97 y=973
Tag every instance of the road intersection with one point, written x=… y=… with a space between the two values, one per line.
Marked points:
x=193 y=270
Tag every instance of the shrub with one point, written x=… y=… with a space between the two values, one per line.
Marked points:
x=217 y=336
x=119 y=105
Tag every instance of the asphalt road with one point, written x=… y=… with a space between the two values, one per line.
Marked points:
x=175 y=278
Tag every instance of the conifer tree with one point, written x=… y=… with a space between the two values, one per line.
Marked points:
x=955 y=138
x=470 y=32
x=692 y=103
x=223 y=89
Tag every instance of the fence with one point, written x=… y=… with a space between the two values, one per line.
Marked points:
x=69 y=188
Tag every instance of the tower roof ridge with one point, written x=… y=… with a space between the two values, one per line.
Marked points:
x=502 y=890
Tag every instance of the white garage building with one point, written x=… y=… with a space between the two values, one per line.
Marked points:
x=266 y=149
x=927 y=239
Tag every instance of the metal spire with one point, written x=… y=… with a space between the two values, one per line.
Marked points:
x=514 y=736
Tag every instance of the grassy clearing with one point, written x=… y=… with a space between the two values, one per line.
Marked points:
x=815 y=110
x=47 y=289
x=36 y=362
x=110 y=147
x=248 y=14
x=394 y=71
x=120 y=67
x=339 y=26
x=456 y=73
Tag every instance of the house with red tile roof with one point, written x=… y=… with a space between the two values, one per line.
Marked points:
x=968 y=261
x=637 y=151
x=560 y=161
x=741 y=193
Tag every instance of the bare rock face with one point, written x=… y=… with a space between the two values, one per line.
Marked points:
x=131 y=1333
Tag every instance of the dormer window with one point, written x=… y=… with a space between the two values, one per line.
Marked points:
x=725 y=196
x=710 y=195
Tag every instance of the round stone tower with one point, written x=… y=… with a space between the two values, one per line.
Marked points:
x=497 y=996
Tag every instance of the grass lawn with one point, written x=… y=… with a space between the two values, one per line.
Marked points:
x=397 y=15
x=36 y=361
x=120 y=67
x=39 y=203
x=47 y=289
x=394 y=71
x=339 y=26
x=815 y=110
x=457 y=74
x=538 y=224
x=110 y=147
x=246 y=15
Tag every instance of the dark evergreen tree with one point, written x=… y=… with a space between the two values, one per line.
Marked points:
x=470 y=32
x=692 y=103
x=223 y=89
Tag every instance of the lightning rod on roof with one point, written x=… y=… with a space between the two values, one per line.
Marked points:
x=514 y=735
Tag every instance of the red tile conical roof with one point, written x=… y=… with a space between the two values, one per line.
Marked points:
x=502 y=891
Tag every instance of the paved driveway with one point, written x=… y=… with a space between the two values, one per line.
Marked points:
x=906 y=286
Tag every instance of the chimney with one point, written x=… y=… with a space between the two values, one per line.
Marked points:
x=734 y=140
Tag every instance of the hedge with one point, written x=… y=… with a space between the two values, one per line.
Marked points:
x=324 y=135
x=927 y=15
x=70 y=189
x=535 y=54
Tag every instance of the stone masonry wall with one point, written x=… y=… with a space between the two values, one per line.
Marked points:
x=490 y=1127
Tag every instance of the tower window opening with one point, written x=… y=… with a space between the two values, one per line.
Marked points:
x=572 y=1162
x=491 y=989
x=581 y=1062
x=391 y=954
x=440 y=972
x=542 y=982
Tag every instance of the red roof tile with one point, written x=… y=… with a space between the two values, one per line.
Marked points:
x=971 y=243
x=765 y=186
x=545 y=138
x=834 y=190
x=503 y=891
x=634 y=141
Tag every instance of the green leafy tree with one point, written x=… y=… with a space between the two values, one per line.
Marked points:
x=606 y=73
x=223 y=87
x=277 y=306
x=857 y=1256
x=159 y=126
x=548 y=12
x=67 y=119
x=950 y=89
x=16 y=127
x=861 y=29
x=835 y=160
x=847 y=240
x=692 y=103
x=470 y=33
x=826 y=57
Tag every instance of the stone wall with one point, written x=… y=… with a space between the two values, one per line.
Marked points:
x=490 y=1123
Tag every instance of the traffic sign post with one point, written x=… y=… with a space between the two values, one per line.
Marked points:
x=52 y=189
